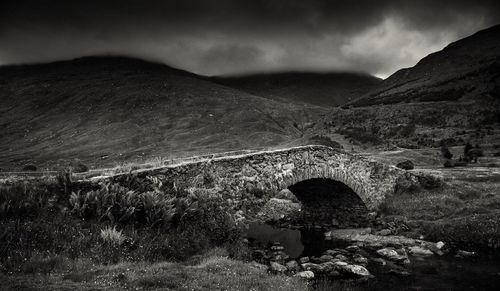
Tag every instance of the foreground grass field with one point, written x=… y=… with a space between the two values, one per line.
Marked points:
x=211 y=271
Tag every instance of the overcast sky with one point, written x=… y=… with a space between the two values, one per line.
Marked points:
x=214 y=37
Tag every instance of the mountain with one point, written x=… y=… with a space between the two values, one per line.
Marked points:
x=465 y=70
x=322 y=89
x=108 y=110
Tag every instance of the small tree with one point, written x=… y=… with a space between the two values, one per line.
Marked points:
x=446 y=152
x=467 y=148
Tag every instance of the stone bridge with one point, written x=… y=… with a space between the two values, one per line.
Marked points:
x=329 y=183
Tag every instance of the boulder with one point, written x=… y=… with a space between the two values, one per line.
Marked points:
x=325 y=258
x=464 y=254
x=356 y=270
x=312 y=267
x=328 y=267
x=420 y=251
x=308 y=275
x=392 y=254
x=258 y=266
x=360 y=260
x=304 y=260
x=277 y=268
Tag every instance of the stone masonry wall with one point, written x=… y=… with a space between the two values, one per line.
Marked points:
x=251 y=179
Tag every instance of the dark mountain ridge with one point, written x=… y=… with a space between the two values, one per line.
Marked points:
x=106 y=110
x=322 y=89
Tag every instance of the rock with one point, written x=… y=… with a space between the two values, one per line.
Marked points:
x=304 y=260
x=372 y=215
x=331 y=252
x=464 y=254
x=384 y=232
x=360 y=260
x=356 y=270
x=277 y=268
x=305 y=275
x=420 y=251
x=352 y=248
x=341 y=257
x=312 y=267
x=325 y=258
x=328 y=267
x=292 y=266
x=406 y=165
x=348 y=232
x=440 y=245
x=340 y=264
x=277 y=248
x=258 y=266
x=391 y=254
x=333 y=273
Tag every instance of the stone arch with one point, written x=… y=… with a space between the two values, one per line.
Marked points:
x=325 y=172
x=328 y=202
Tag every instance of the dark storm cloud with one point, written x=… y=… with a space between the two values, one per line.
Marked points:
x=220 y=37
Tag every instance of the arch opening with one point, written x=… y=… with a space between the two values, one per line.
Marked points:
x=329 y=203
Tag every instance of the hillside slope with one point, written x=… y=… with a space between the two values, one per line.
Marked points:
x=322 y=89
x=468 y=69
x=105 y=110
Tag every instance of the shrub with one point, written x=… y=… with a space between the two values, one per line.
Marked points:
x=112 y=236
x=405 y=165
x=29 y=168
x=448 y=164
x=27 y=200
x=79 y=167
x=446 y=152
x=115 y=203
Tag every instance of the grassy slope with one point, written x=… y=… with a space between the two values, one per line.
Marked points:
x=323 y=89
x=468 y=69
x=122 y=109
x=465 y=212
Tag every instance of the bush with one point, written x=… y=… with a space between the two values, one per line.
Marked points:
x=405 y=165
x=29 y=168
x=27 y=200
x=79 y=167
x=448 y=164
x=446 y=152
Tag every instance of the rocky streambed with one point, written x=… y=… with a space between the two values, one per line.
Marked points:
x=369 y=258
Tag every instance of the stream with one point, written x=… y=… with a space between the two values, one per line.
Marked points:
x=447 y=272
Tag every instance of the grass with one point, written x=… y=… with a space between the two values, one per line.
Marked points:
x=465 y=212
x=213 y=272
